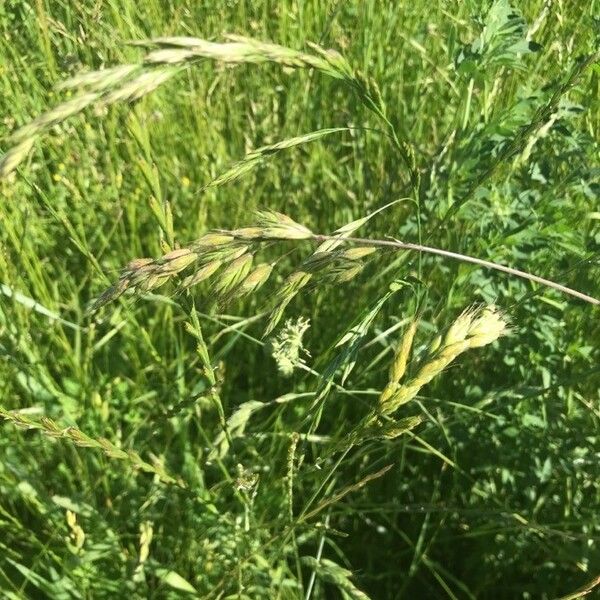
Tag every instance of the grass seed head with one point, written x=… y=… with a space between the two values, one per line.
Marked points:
x=473 y=328
x=202 y=273
x=487 y=327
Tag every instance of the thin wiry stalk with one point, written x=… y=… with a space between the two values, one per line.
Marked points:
x=393 y=243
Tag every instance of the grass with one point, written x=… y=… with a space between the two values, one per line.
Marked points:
x=162 y=446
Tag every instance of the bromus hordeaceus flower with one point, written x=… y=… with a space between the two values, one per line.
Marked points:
x=164 y=59
x=474 y=328
x=233 y=253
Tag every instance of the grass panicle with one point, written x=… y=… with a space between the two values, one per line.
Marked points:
x=51 y=429
x=474 y=328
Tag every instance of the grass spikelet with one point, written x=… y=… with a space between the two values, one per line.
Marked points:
x=51 y=429
x=400 y=362
x=213 y=240
x=258 y=156
x=394 y=429
x=170 y=57
x=344 y=275
x=15 y=156
x=176 y=260
x=256 y=279
x=98 y=81
x=233 y=274
x=358 y=252
x=276 y=225
x=398 y=367
x=152 y=282
x=54 y=116
x=487 y=327
x=247 y=233
x=474 y=328
x=25 y=137
x=202 y=273
x=136 y=88
x=259 y=52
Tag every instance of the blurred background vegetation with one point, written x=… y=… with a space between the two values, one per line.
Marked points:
x=495 y=495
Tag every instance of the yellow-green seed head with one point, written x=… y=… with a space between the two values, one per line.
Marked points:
x=489 y=325
x=460 y=328
x=398 y=367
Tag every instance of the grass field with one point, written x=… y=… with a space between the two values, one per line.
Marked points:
x=379 y=442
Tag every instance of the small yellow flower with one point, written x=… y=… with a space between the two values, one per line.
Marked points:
x=185 y=182
x=61 y=166
x=57 y=177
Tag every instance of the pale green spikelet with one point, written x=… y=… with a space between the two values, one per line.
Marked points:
x=276 y=225
x=201 y=274
x=233 y=274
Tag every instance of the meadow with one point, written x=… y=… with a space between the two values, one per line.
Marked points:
x=299 y=300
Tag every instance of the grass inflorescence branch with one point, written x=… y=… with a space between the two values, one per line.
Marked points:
x=51 y=429
x=166 y=56
x=226 y=258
